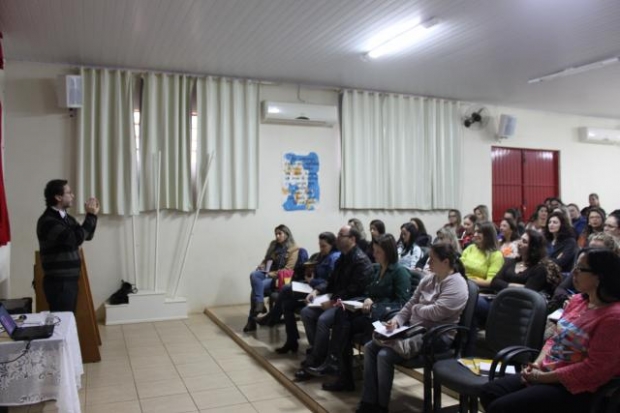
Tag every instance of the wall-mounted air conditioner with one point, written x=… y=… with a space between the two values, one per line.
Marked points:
x=597 y=135
x=299 y=114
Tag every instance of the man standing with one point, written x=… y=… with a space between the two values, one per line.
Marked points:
x=351 y=274
x=60 y=237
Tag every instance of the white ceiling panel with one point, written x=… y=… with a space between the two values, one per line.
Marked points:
x=482 y=50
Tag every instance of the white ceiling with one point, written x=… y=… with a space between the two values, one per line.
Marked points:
x=482 y=50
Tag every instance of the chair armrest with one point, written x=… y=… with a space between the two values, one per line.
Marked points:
x=507 y=356
x=432 y=337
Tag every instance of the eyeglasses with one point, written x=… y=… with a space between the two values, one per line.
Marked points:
x=610 y=226
x=582 y=269
x=343 y=235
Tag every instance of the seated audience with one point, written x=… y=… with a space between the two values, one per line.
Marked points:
x=349 y=279
x=377 y=228
x=611 y=226
x=553 y=203
x=531 y=269
x=538 y=220
x=444 y=236
x=454 y=222
x=469 y=223
x=580 y=357
x=508 y=236
x=482 y=259
x=596 y=222
x=561 y=245
x=317 y=270
x=566 y=288
x=363 y=243
x=515 y=214
x=593 y=202
x=482 y=213
x=408 y=252
x=577 y=220
x=439 y=299
x=422 y=239
x=281 y=254
x=389 y=289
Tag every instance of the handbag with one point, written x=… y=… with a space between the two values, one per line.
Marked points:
x=284 y=277
x=407 y=345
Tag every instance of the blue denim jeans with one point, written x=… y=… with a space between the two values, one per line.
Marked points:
x=261 y=285
x=318 y=324
x=379 y=373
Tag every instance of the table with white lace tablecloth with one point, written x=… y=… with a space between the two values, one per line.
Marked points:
x=51 y=369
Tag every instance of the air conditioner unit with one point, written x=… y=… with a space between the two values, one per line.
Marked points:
x=597 y=135
x=299 y=114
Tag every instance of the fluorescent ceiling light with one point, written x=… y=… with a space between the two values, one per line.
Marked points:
x=402 y=40
x=577 y=69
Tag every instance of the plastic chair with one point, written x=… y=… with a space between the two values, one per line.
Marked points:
x=517 y=318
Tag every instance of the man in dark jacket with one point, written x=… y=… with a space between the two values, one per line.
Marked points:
x=60 y=237
x=351 y=274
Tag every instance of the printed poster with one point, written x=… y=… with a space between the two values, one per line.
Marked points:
x=300 y=186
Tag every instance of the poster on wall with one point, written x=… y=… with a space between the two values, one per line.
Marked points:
x=300 y=185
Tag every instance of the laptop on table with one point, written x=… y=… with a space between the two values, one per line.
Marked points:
x=23 y=333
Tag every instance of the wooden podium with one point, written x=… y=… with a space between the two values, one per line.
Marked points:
x=88 y=330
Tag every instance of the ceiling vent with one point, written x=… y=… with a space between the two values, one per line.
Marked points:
x=597 y=135
x=299 y=114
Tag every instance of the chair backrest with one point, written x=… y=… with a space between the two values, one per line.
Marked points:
x=467 y=318
x=416 y=277
x=517 y=318
x=298 y=270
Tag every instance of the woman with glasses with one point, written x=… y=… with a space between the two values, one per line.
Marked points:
x=611 y=226
x=580 y=357
x=596 y=222
x=454 y=222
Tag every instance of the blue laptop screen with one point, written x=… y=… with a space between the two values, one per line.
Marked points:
x=7 y=321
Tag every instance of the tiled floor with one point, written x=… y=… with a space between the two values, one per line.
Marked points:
x=406 y=394
x=175 y=367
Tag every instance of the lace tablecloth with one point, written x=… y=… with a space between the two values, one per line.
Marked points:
x=50 y=370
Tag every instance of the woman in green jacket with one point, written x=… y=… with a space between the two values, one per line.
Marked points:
x=389 y=289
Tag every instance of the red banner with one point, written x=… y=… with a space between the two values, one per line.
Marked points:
x=5 y=231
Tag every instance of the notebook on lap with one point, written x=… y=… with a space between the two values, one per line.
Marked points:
x=23 y=333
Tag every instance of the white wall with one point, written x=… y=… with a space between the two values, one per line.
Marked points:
x=40 y=145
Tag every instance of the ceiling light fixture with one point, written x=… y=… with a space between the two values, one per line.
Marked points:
x=402 y=40
x=577 y=69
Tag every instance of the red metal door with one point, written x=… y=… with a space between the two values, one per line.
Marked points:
x=507 y=180
x=522 y=178
x=540 y=178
